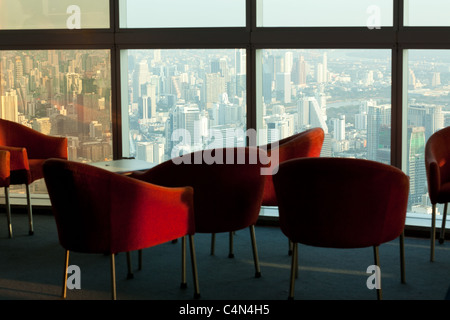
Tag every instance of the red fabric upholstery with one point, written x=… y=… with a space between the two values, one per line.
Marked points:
x=341 y=203
x=4 y=168
x=227 y=197
x=29 y=149
x=97 y=211
x=437 y=164
x=304 y=144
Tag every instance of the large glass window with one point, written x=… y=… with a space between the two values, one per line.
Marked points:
x=54 y=14
x=427 y=13
x=345 y=92
x=61 y=93
x=182 y=13
x=325 y=13
x=180 y=101
x=428 y=108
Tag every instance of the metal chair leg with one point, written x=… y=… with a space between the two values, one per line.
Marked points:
x=130 y=274
x=66 y=266
x=30 y=212
x=402 y=257
x=433 y=232
x=113 y=277
x=255 y=252
x=8 y=212
x=377 y=263
x=294 y=264
x=231 y=246
x=444 y=216
x=183 y=263
x=194 y=267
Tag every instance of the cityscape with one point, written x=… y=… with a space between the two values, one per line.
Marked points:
x=179 y=101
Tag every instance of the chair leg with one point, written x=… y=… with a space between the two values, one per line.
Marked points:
x=444 y=216
x=255 y=252
x=402 y=257
x=231 y=246
x=290 y=248
x=213 y=243
x=66 y=266
x=30 y=212
x=140 y=259
x=113 y=276
x=183 y=263
x=294 y=264
x=194 y=267
x=433 y=231
x=377 y=263
x=8 y=212
x=130 y=274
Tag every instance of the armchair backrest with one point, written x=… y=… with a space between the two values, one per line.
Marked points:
x=437 y=162
x=301 y=145
x=227 y=183
x=37 y=144
x=339 y=202
x=97 y=211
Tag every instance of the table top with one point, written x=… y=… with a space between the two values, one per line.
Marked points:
x=124 y=166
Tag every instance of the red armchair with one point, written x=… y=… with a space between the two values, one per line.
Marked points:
x=227 y=196
x=437 y=164
x=29 y=149
x=301 y=145
x=4 y=183
x=341 y=203
x=97 y=211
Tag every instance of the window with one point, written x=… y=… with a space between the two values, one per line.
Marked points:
x=345 y=92
x=54 y=14
x=426 y=13
x=181 y=101
x=61 y=93
x=182 y=14
x=325 y=13
x=427 y=112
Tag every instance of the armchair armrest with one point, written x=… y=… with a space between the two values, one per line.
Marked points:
x=148 y=214
x=4 y=168
x=18 y=158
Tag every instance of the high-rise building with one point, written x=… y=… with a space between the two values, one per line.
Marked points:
x=9 y=106
x=339 y=128
x=378 y=119
x=283 y=87
x=416 y=163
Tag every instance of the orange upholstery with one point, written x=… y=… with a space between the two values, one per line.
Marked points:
x=97 y=211
x=227 y=192
x=341 y=203
x=28 y=150
x=437 y=164
x=301 y=145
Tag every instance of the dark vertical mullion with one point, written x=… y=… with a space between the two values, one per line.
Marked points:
x=397 y=89
x=251 y=66
x=116 y=103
